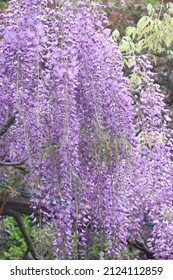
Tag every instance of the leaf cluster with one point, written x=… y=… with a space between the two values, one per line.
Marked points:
x=15 y=242
x=152 y=34
x=16 y=245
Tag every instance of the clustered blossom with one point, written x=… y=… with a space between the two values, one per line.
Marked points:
x=62 y=73
x=153 y=177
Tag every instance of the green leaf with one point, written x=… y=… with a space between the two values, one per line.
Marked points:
x=105 y=136
x=142 y=23
x=140 y=45
x=150 y=9
x=170 y=8
x=124 y=47
x=147 y=29
x=130 y=30
x=168 y=18
x=115 y=35
x=168 y=41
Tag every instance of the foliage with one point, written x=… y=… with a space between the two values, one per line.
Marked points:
x=16 y=244
x=3 y=4
x=149 y=34
x=43 y=239
x=149 y=37
x=87 y=141
x=16 y=247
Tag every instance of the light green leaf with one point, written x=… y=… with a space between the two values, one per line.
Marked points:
x=142 y=23
x=168 y=41
x=115 y=35
x=147 y=30
x=150 y=9
x=130 y=30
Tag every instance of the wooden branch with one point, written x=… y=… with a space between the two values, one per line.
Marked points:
x=15 y=207
x=26 y=235
x=22 y=205
x=8 y=164
x=9 y=122
x=142 y=247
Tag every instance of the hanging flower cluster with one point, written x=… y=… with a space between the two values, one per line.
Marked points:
x=63 y=75
x=153 y=177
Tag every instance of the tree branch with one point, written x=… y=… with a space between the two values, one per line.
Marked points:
x=15 y=207
x=22 y=205
x=9 y=122
x=5 y=163
x=142 y=247
x=26 y=235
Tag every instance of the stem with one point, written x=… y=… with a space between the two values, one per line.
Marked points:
x=4 y=163
x=9 y=122
x=161 y=7
x=26 y=235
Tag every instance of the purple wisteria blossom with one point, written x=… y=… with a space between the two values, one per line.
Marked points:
x=62 y=73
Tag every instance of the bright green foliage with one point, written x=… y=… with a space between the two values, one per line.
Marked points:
x=153 y=34
x=16 y=244
x=44 y=241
